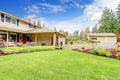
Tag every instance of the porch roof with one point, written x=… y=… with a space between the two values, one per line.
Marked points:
x=41 y=30
x=10 y=29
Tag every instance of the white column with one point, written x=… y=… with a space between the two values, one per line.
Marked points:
x=54 y=39
x=7 y=39
x=36 y=39
x=16 y=37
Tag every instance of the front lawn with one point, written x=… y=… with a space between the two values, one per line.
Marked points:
x=58 y=65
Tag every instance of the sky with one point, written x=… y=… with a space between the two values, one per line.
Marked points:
x=68 y=15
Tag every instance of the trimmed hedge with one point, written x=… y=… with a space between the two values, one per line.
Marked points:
x=118 y=55
x=102 y=53
x=27 y=49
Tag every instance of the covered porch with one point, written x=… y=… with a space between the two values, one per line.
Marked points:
x=31 y=39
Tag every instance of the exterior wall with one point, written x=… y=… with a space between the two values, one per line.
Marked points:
x=105 y=39
x=0 y=17
x=44 y=39
x=22 y=25
x=47 y=39
x=61 y=39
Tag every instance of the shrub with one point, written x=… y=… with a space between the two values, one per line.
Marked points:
x=95 y=52
x=12 y=50
x=108 y=54
x=102 y=53
x=118 y=55
x=71 y=42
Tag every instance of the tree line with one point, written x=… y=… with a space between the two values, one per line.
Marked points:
x=108 y=23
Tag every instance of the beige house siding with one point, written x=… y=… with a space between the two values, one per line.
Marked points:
x=45 y=38
x=23 y=25
x=39 y=35
x=104 y=39
x=61 y=39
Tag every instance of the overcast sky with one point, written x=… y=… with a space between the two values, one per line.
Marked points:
x=68 y=15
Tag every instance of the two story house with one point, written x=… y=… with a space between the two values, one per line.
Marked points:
x=13 y=29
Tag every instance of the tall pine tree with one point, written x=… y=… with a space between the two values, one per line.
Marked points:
x=95 y=30
x=107 y=21
x=118 y=18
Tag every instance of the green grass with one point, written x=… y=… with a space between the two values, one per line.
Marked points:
x=58 y=65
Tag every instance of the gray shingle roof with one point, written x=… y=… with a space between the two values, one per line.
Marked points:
x=39 y=30
x=10 y=29
x=101 y=34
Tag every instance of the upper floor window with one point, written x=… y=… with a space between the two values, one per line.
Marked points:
x=31 y=26
x=14 y=21
x=17 y=22
x=2 y=17
x=8 y=19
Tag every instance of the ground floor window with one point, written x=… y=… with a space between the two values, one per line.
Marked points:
x=94 y=38
x=13 y=37
x=4 y=35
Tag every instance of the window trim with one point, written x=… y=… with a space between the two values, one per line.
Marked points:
x=8 y=19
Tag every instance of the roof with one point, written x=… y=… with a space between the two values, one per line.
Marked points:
x=43 y=30
x=38 y=30
x=11 y=29
x=102 y=34
x=18 y=18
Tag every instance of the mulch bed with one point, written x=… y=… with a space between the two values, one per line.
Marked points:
x=89 y=51
x=2 y=53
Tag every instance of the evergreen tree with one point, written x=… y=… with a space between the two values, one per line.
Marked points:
x=118 y=19
x=38 y=23
x=107 y=21
x=104 y=21
x=76 y=34
x=111 y=22
x=81 y=35
x=85 y=33
x=95 y=30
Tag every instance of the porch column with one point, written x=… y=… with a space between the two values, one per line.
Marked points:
x=36 y=39
x=54 y=39
x=7 y=39
x=16 y=37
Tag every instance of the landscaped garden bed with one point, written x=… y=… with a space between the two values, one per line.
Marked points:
x=1 y=53
x=111 y=53
x=27 y=49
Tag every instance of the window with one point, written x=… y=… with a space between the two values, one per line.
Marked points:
x=31 y=26
x=8 y=19
x=14 y=21
x=93 y=38
x=2 y=17
x=17 y=22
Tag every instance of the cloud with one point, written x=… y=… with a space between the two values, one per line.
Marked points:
x=32 y=9
x=52 y=8
x=72 y=3
x=35 y=18
x=91 y=15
